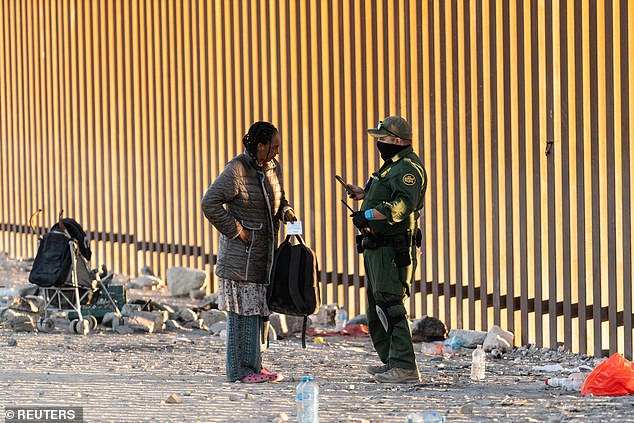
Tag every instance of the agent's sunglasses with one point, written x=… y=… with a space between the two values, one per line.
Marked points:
x=381 y=126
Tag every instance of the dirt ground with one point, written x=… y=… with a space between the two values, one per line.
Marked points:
x=128 y=378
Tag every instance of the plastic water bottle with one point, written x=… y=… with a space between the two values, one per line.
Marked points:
x=307 y=401
x=478 y=363
x=574 y=382
x=341 y=319
x=426 y=417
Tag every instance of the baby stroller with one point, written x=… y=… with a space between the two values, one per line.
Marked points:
x=62 y=271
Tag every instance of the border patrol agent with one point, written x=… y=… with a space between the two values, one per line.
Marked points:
x=388 y=221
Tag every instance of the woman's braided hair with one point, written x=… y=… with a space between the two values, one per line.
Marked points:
x=259 y=133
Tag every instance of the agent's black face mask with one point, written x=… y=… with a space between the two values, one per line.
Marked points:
x=389 y=150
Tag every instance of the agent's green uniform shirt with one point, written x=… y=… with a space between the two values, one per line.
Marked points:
x=397 y=192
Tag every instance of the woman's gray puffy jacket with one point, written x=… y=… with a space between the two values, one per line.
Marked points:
x=246 y=195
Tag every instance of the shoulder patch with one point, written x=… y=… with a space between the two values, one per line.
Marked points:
x=409 y=179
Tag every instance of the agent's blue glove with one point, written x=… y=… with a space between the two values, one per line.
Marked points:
x=359 y=220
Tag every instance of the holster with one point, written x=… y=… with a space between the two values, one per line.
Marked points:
x=365 y=241
x=400 y=243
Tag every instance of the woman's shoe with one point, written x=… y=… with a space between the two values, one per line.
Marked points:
x=255 y=378
x=273 y=377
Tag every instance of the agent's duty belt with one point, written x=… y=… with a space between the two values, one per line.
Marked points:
x=400 y=243
x=392 y=240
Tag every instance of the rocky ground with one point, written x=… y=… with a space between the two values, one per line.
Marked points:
x=124 y=378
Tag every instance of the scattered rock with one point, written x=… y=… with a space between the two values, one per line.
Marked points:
x=147 y=271
x=173 y=399
x=469 y=338
x=217 y=327
x=187 y=315
x=28 y=304
x=196 y=324
x=286 y=325
x=213 y=316
x=148 y=283
x=120 y=325
x=325 y=316
x=173 y=324
x=27 y=290
x=466 y=409
x=163 y=307
x=283 y=417
x=181 y=280
x=495 y=353
x=361 y=319
x=210 y=302
x=129 y=309
x=12 y=342
x=146 y=321
x=197 y=294
x=22 y=322
x=107 y=319
x=498 y=338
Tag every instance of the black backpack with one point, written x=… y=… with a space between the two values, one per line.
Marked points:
x=294 y=288
x=53 y=260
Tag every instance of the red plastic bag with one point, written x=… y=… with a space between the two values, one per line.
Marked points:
x=614 y=377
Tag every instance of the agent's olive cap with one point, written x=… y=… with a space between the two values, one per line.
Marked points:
x=392 y=125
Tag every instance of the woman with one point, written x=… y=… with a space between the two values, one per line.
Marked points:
x=246 y=204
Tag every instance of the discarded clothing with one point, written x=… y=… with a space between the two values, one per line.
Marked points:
x=356 y=331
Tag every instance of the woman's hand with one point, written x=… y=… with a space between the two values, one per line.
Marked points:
x=357 y=192
x=289 y=216
x=245 y=236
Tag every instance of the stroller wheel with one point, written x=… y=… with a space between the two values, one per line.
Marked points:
x=82 y=327
x=93 y=322
x=45 y=325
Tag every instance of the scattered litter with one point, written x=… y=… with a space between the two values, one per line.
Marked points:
x=495 y=353
x=613 y=377
x=426 y=417
x=466 y=409
x=559 y=368
x=319 y=340
x=549 y=368
x=574 y=382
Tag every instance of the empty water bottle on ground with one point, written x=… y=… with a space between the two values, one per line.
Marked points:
x=341 y=319
x=574 y=382
x=426 y=417
x=478 y=363
x=307 y=399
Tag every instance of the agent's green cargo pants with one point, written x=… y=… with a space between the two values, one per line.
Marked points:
x=387 y=286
